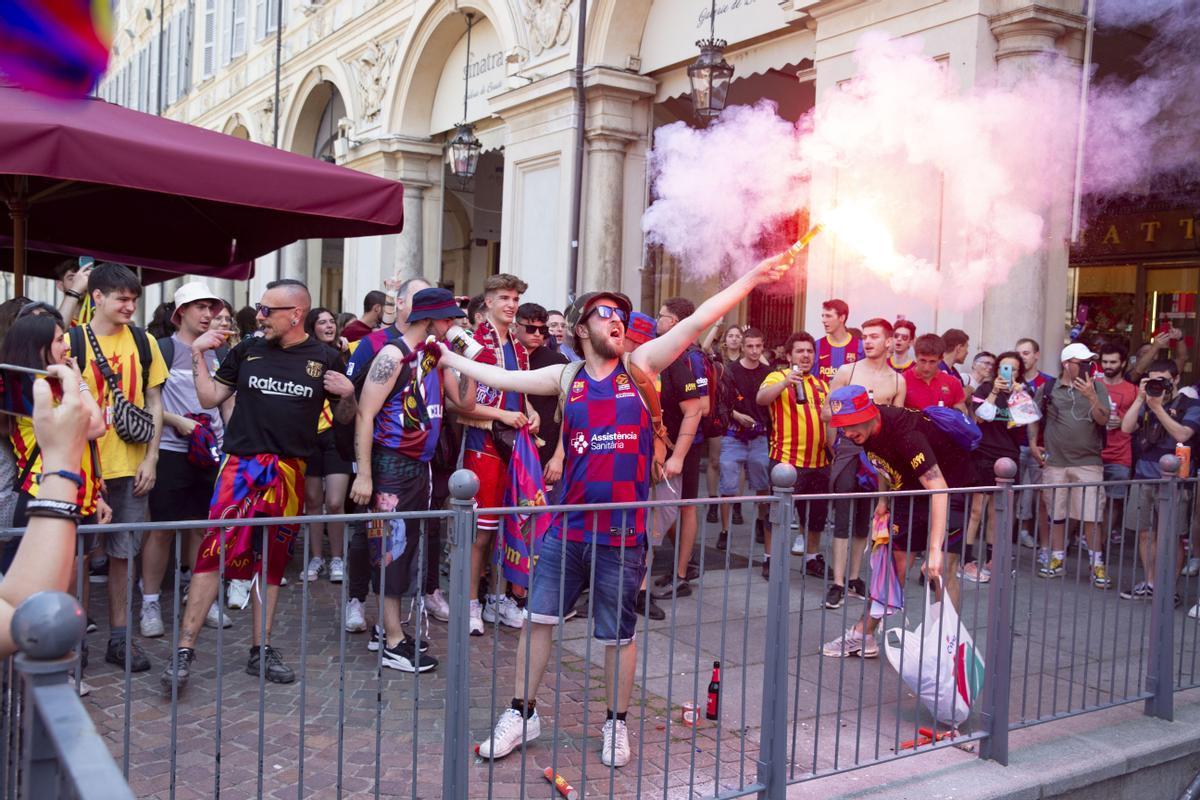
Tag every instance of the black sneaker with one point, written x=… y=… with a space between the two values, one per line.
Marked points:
x=693 y=571
x=723 y=540
x=816 y=567
x=178 y=668
x=654 y=611
x=115 y=654
x=766 y=569
x=376 y=638
x=276 y=672
x=737 y=514
x=713 y=516
x=835 y=596
x=405 y=658
x=669 y=586
x=760 y=531
x=857 y=588
x=411 y=642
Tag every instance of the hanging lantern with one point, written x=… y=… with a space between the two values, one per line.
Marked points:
x=710 y=76
x=464 y=151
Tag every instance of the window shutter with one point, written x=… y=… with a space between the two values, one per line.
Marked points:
x=226 y=40
x=238 y=42
x=172 y=57
x=210 y=37
x=187 y=42
x=153 y=73
x=273 y=15
x=260 y=19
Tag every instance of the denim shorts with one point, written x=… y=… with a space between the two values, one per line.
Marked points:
x=1117 y=472
x=753 y=456
x=618 y=579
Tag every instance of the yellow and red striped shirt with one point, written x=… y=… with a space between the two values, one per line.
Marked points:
x=797 y=433
x=23 y=442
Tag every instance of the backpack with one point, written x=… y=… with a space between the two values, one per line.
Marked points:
x=166 y=346
x=716 y=422
x=343 y=432
x=80 y=349
x=955 y=424
x=648 y=393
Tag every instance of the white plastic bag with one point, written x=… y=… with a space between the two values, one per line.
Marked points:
x=662 y=518
x=938 y=660
x=1021 y=408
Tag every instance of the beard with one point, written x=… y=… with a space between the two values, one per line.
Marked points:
x=1112 y=373
x=604 y=347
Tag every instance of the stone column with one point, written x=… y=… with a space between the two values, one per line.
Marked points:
x=600 y=265
x=293 y=263
x=410 y=247
x=1035 y=294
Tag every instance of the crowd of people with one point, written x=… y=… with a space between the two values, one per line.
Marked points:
x=283 y=409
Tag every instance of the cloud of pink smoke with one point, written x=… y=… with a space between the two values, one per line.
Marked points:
x=937 y=191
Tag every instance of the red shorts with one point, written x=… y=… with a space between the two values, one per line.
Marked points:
x=492 y=474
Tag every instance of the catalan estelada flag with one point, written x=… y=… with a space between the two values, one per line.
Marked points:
x=255 y=486
x=518 y=547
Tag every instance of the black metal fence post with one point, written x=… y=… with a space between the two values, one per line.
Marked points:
x=997 y=679
x=772 y=753
x=1159 y=679
x=456 y=749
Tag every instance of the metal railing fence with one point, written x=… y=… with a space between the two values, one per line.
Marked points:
x=791 y=708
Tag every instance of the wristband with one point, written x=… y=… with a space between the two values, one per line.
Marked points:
x=59 y=509
x=72 y=293
x=73 y=477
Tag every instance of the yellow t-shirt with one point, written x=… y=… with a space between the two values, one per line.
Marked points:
x=118 y=458
x=23 y=441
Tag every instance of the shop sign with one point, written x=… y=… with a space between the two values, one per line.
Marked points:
x=487 y=70
x=673 y=26
x=1147 y=233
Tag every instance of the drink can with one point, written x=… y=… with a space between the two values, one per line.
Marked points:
x=689 y=714
x=1184 y=453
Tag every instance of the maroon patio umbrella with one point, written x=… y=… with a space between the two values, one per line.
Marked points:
x=90 y=177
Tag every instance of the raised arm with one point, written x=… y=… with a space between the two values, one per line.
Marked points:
x=542 y=381
x=209 y=392
x=657 y=354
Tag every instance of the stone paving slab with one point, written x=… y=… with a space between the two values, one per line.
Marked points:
x=369 y=732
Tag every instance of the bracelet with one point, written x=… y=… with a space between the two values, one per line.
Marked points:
x=72 y=293
x=73 y=477
x=59 y=509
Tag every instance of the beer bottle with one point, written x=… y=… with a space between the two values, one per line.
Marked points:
x=714 y=693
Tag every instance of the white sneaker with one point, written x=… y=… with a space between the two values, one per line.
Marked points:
x=337 y=570
x=1027 y=539
x=437 y=606
x=503 y=610
x=238 y=594
x=511 y=731
x=356 y=621
x=1194 y=612
x=151 y=621
x=851 y=643
x=798 y=545
x=216 y=618
x=315 y=565
x=1192 y=567
x=476 y=624
x=615 y=750
x=81 y=687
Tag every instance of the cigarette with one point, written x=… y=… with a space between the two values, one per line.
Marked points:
x=804 y=240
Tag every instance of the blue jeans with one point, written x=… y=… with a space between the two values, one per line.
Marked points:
x=619 y=573
x=752 y=456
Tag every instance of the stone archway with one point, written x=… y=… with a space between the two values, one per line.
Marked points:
x=236 y=126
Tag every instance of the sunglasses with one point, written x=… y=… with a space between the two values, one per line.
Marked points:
x=544 y=330
x=608 y=312
x=266 y=311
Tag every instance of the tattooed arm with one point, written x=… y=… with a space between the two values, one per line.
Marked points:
x=939 y=503
x=382 y=377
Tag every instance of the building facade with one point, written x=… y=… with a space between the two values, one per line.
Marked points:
x=378 y=85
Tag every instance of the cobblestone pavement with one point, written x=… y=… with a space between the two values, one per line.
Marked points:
x=367 y=734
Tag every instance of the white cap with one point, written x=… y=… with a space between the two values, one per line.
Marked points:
x=1076 y=350
x=190 y=293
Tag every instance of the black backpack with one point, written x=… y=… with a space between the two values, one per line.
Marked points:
x=80 y=349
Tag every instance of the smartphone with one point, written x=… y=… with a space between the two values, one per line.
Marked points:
x=1006 y=372
x=16 y=389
